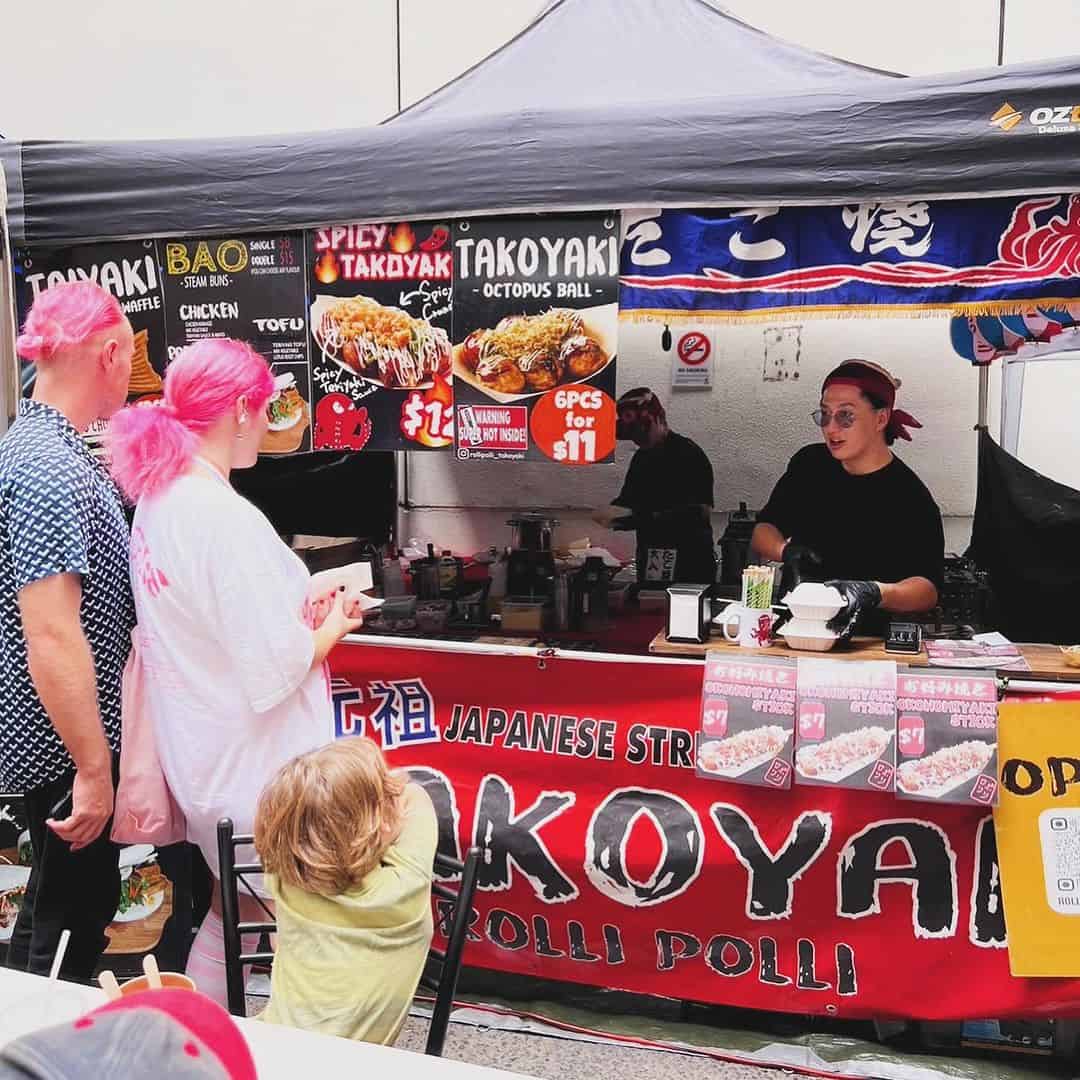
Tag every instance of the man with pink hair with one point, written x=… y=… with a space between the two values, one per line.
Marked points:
x=66 y=616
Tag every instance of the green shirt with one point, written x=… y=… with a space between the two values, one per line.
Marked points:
x=349 y=965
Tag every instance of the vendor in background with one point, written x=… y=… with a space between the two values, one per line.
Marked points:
x=668 y=492
x=850 y=513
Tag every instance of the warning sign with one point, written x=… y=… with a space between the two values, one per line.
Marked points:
x=692 y=363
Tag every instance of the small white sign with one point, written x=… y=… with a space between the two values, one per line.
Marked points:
x=1059 y=831
x=692 y=361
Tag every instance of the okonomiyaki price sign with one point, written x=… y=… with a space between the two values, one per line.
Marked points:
x=747 y=720
x=252 y=288
x=535 y=335
x=381 y=297
x=846 y=732
x=946 y=732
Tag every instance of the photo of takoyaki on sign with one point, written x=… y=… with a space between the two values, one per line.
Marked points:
x=524 y=355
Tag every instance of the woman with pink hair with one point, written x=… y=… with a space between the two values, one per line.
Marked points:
x=232 y=651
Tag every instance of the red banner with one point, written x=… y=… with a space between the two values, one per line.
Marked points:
x=608 y=861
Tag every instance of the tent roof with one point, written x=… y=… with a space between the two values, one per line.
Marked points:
x=596 y=53
x=597 y=104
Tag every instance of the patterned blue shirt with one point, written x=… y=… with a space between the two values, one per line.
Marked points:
x=60 y=513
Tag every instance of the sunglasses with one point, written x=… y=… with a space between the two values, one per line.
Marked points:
x=843 y=417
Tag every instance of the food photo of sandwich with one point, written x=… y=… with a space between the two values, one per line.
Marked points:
x=289 y=417
x=13 y=880
x=524 y=355
x=384 y=345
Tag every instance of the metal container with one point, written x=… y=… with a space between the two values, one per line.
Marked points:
x=532 y=532
x=562 y=602
x=523 y=616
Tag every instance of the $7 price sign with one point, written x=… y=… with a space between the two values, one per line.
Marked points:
x=911 y=735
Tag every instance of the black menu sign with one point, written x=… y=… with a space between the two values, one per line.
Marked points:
x=130 y=271
x=846 y=733
x=946 y=731
x=535 y=338
x=747 y=719
x=251 y=288
x=380 y=306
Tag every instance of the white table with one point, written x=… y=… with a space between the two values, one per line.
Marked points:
x=279 y=1052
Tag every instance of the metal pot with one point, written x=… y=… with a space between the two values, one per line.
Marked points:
x=532 y=532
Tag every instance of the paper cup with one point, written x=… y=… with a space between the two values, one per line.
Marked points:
x=170 y=980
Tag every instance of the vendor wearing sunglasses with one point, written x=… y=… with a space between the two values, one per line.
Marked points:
x=850 y=513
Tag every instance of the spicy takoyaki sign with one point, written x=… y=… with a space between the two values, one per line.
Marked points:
x=380 y=304
x=535 y=334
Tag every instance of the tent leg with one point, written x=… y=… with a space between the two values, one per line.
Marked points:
x=9 y=362
x=984 y=398
x=1012 y=404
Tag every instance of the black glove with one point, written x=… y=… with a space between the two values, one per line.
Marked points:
x=800 y=564
x=860 y=598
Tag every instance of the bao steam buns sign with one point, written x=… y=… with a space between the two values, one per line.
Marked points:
x=535 y=338
x=251 y=288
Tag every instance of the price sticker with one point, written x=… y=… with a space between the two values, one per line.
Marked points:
x=428 y=418
x=911 y=736
x=575 y=425
x=714 y=717
x=812 y=720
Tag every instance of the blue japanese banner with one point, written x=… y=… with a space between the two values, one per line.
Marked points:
x=971 y=257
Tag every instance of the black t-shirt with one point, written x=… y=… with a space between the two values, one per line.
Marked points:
x=884 y=526
x=665 y=478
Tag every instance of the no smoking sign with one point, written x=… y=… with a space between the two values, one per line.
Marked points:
x=691 y=365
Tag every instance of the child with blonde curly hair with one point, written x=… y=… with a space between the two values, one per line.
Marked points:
x=348 y=848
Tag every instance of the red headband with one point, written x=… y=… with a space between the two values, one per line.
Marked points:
x=878 y=385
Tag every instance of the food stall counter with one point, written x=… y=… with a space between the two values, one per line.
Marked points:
x=1046 y=662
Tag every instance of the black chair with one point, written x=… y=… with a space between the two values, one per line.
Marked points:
x=441 y=970
x=233 y=875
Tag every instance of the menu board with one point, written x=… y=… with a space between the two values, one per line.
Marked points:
x=130 y=271
x=535 y=338
x=380 y=306
x=946 y=731
x=251 y=288
x=846 y=735
x=747 y=720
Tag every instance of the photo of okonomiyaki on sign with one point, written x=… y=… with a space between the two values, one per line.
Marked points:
x=946 y=733
x=747 y=720
x=536 y=318
x=846 y=731
x=381 y=298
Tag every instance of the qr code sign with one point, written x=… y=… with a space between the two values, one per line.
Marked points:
x=1059 y=831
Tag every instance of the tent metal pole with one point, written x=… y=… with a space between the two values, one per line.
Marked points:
x=10 y=388
x=984 y=397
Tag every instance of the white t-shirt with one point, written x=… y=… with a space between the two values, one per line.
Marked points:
x=223 y=606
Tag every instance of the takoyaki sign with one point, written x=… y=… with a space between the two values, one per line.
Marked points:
x=535 y=337
x=610 y=861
